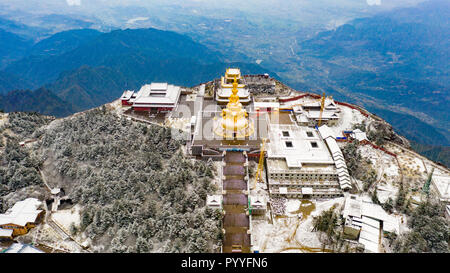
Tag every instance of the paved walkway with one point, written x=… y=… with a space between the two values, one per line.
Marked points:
x=235 y=221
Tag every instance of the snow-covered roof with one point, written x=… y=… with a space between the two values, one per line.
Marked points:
x=302 y=118
x=370 y=234
x=233 y=71
x=22 y=212
x=442 y=185
x=359 y=135
x=127 y=95
x=300 y=149
x=157 y=94
x=264 y=104
x=22 y=248
x=214 y=200
x=257 y=202
x=326 y=132
x=6 y=232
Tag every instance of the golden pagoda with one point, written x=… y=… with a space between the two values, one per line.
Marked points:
x=234 y=122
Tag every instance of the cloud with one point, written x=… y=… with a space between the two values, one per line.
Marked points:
x=73 y=2
x=373 y=2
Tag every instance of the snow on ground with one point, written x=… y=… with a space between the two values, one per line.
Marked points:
x=217 y=180
x=347 y=118
x=116 y=107
x=183 y=124
x=68 y=216
x=292 y=206
x=3 y=119
x=292 y=232
x=386 y=190
x=46 y=235
x=385 y=166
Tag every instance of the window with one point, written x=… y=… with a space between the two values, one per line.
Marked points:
x=289 y=144
x=314 y=144
x=309 y=134
x=285 y=133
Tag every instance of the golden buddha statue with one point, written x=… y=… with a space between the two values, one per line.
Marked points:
x=234 y=121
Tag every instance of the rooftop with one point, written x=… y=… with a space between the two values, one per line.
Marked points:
x=297 y=146
x=442 y=185
x=21 y=213
x=158 y=93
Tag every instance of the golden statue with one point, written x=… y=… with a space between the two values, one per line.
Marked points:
x=234 y=122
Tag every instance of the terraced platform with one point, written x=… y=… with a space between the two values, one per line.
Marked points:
x=236 y=221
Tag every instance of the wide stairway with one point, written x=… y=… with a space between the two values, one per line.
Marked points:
x=235 y=202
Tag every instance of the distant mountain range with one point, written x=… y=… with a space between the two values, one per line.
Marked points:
x=395 y=64
x=40 y=100
x=87 y=68
x=12 y=47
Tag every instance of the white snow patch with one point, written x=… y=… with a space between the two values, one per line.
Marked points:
x=68 y=216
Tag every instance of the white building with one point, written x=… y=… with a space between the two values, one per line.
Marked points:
x=299 y=164
x=365 y=221
x=339 y=161
x=21 y=217
x=258 y=205
x=214 y=201
x=154 y=97
x=441 y=185
x=308 y=114
x=359 y=135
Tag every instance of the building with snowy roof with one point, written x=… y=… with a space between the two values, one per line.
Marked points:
x=339 y=161
x=154 y=97
x=214 y=201
x=366 y=221
x=22 y=248
x=308 y=114
x=223 y=93
x=300 y=165
x=359 y=135
x=23 y=216
x=441 y=184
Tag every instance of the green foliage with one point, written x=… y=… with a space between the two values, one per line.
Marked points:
x=361 y=126
x=139 y=192
x=430 y=231
x=18 y=166
x=357 y=167
x=25 y=124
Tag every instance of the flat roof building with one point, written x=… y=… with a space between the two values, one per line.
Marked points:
x=299 y=163
x=365 y=222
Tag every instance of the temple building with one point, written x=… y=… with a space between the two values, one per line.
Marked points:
x=234 y=121
x=154 y=97
x=308 y=114
x=223 y=93
x=23 y=216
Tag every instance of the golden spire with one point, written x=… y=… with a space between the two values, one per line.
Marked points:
x=234 y=98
